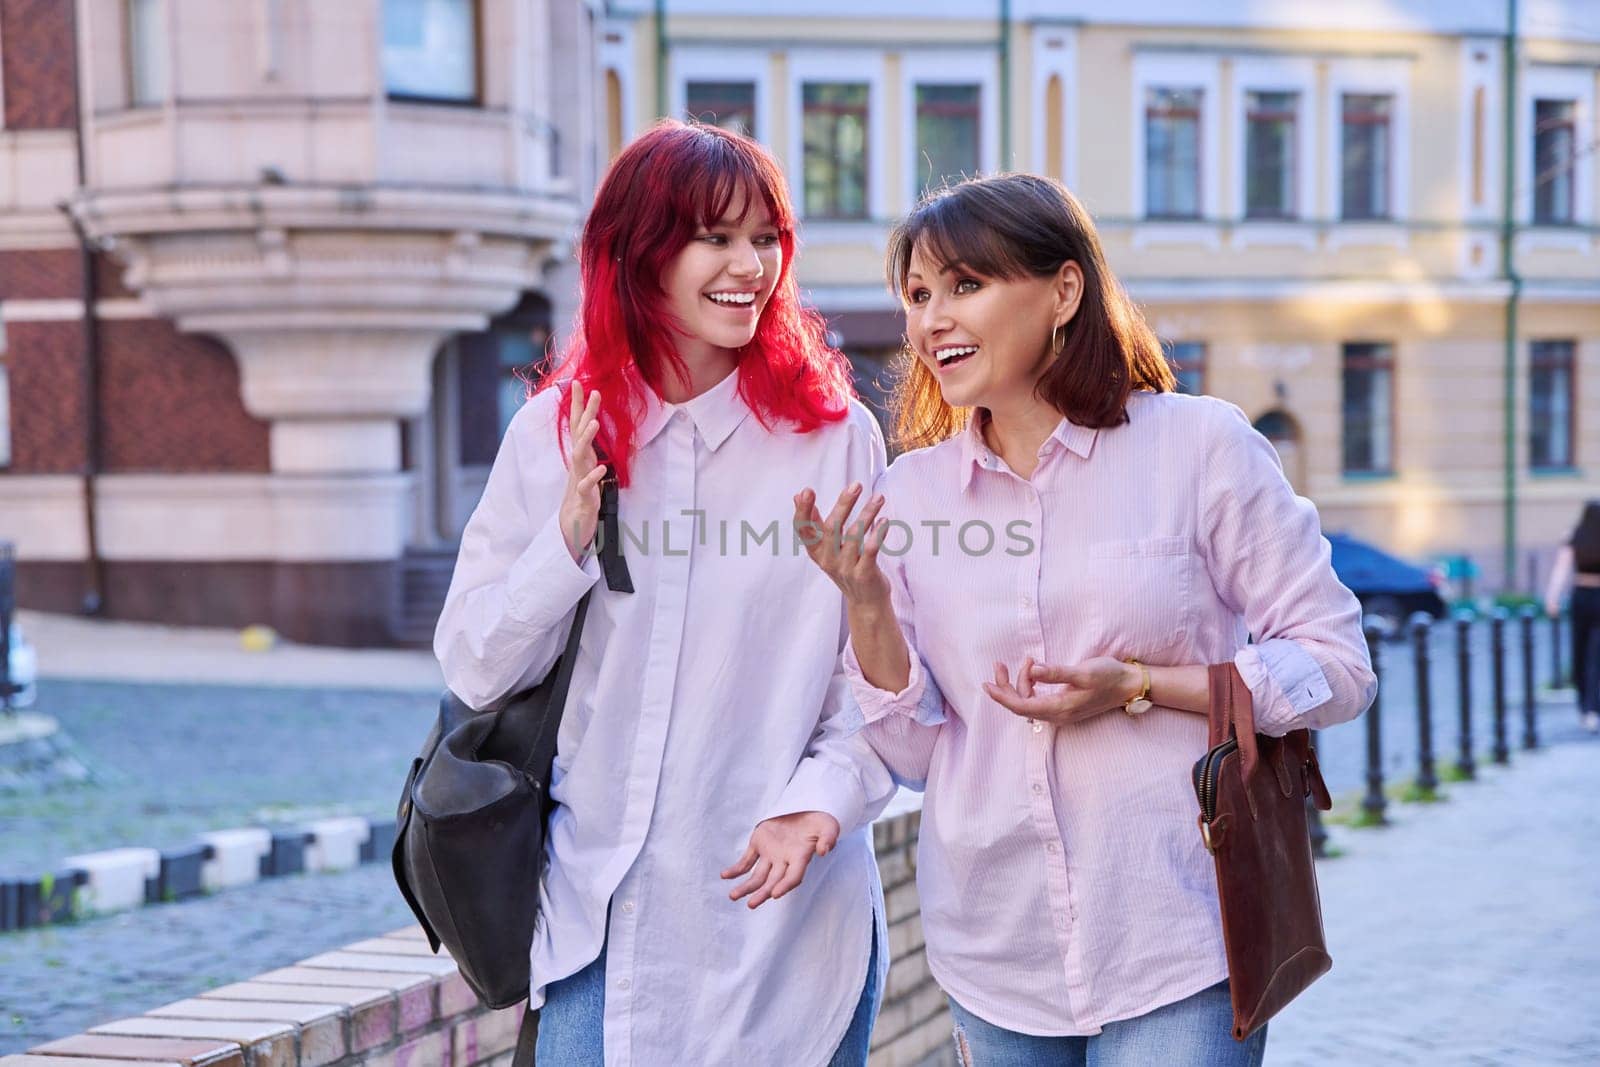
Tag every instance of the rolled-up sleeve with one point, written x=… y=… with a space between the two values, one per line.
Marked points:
x=515 y=587
x=1267 y=558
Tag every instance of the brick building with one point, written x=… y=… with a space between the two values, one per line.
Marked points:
x=267 y=272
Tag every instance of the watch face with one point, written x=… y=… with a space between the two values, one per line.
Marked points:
x=1139 y=706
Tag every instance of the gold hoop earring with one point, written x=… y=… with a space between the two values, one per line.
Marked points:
x=1058 y=339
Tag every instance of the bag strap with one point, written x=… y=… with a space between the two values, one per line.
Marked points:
x=543 y=750
x=527 y=1039
x=1232 y=714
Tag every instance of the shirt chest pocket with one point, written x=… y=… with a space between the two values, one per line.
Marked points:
x=1141 y=595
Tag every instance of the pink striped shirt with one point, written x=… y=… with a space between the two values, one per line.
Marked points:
x=1062 y=878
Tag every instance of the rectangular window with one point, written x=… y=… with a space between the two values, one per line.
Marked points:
x=1368 y=408
x=947 y=134
x=1554 y=147
x=1364 y=156
x=1188 y=359
x=1550 y=411
x=147 y=54
x=835 y=131
x=731 y=105
x=1269 y=158
x=1172 y=153
x=430 y=50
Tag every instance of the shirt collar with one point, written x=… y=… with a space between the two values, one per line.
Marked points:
x=716 y=413
x=975 y=452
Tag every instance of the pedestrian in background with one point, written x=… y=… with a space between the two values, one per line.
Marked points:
x=1066 y=548
x=1578 y=562
x=710 y=701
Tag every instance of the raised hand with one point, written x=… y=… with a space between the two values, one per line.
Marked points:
x=780 y=850
x=580 y=504
x=847 y=555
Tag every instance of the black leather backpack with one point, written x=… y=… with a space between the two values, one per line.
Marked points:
x=469 y=851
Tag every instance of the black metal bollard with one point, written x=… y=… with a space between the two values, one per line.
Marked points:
x=1464 y=761
x=1557 y=677
x=1373 y=803
x=1530 y=710
x=1421 y=629
x=1497 y=665
x=1318 y=832
x=8 y=606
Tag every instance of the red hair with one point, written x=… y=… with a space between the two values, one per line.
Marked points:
x=673 y=181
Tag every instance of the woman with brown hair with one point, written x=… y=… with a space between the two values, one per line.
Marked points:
x=1050 y=569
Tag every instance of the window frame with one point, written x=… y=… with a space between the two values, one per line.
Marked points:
x=130 y=65
x=1197 y=113
x=477 y=98
x=1548 y=82
x=1386 y=179
x=1158 y=69
x=754 y=133
x=694 y=63
x=1570 y=364
x=1369 y=77
x=1387 y=361
x=1540 y=180
x=1290 y=211
x=823 y=66
x=945 y=66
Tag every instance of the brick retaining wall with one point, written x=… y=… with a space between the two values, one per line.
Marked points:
x=390 y=1001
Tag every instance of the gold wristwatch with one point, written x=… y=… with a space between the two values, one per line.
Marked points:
x=1140 y=704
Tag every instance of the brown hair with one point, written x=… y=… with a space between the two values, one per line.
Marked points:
x=1011 y=226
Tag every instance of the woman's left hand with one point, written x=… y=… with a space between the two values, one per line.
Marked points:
x=780 y=850
x=1076 y=693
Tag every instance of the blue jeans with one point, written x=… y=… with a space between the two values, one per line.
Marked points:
x=1195 y=1032
x=572 y=1022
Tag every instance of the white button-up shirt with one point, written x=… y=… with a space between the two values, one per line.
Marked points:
x=709 y=699
x=1063 y=881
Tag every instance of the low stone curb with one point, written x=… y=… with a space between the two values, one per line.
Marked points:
x=100 y=883
x=389 y=1001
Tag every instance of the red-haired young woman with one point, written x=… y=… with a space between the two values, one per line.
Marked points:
x=709 y=701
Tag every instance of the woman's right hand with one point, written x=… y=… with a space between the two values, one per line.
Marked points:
x=848 y=556
x=580 y=504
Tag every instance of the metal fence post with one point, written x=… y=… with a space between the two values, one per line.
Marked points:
x=1373 y=803
x=1530 y=709
x=1497 y=665
x=8 y=606
x=1421 y=630
x=1464 y=761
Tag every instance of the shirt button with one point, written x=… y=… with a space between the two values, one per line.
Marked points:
x=1027 y=601
x=627 y=907
x=1038 y=790
x=624 y=984
x=1051 y=848
x=1037 y=725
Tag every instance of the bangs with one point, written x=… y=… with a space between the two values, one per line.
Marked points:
x=949 y=233
x=726 y=171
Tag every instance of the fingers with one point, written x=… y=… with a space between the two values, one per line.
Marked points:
x=746 y=861
x=1025 y=677
x=842 y=508
x=826 y=840
x=793 y=875
x=757 y=879
x=775 y=877
x=1044 y=672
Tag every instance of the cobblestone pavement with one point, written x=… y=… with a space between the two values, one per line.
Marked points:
x=174 y=760
x=1466 y=933
x=56 y=981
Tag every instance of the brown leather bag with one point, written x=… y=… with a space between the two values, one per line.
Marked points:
x=1252 y=791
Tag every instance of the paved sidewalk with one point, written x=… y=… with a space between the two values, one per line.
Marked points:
x=102 y=650
x=1468 y=932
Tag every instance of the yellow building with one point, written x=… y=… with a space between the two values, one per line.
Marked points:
x=1306 y=198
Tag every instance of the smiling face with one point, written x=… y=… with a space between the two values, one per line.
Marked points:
x=986 y=340
x=720 y=282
